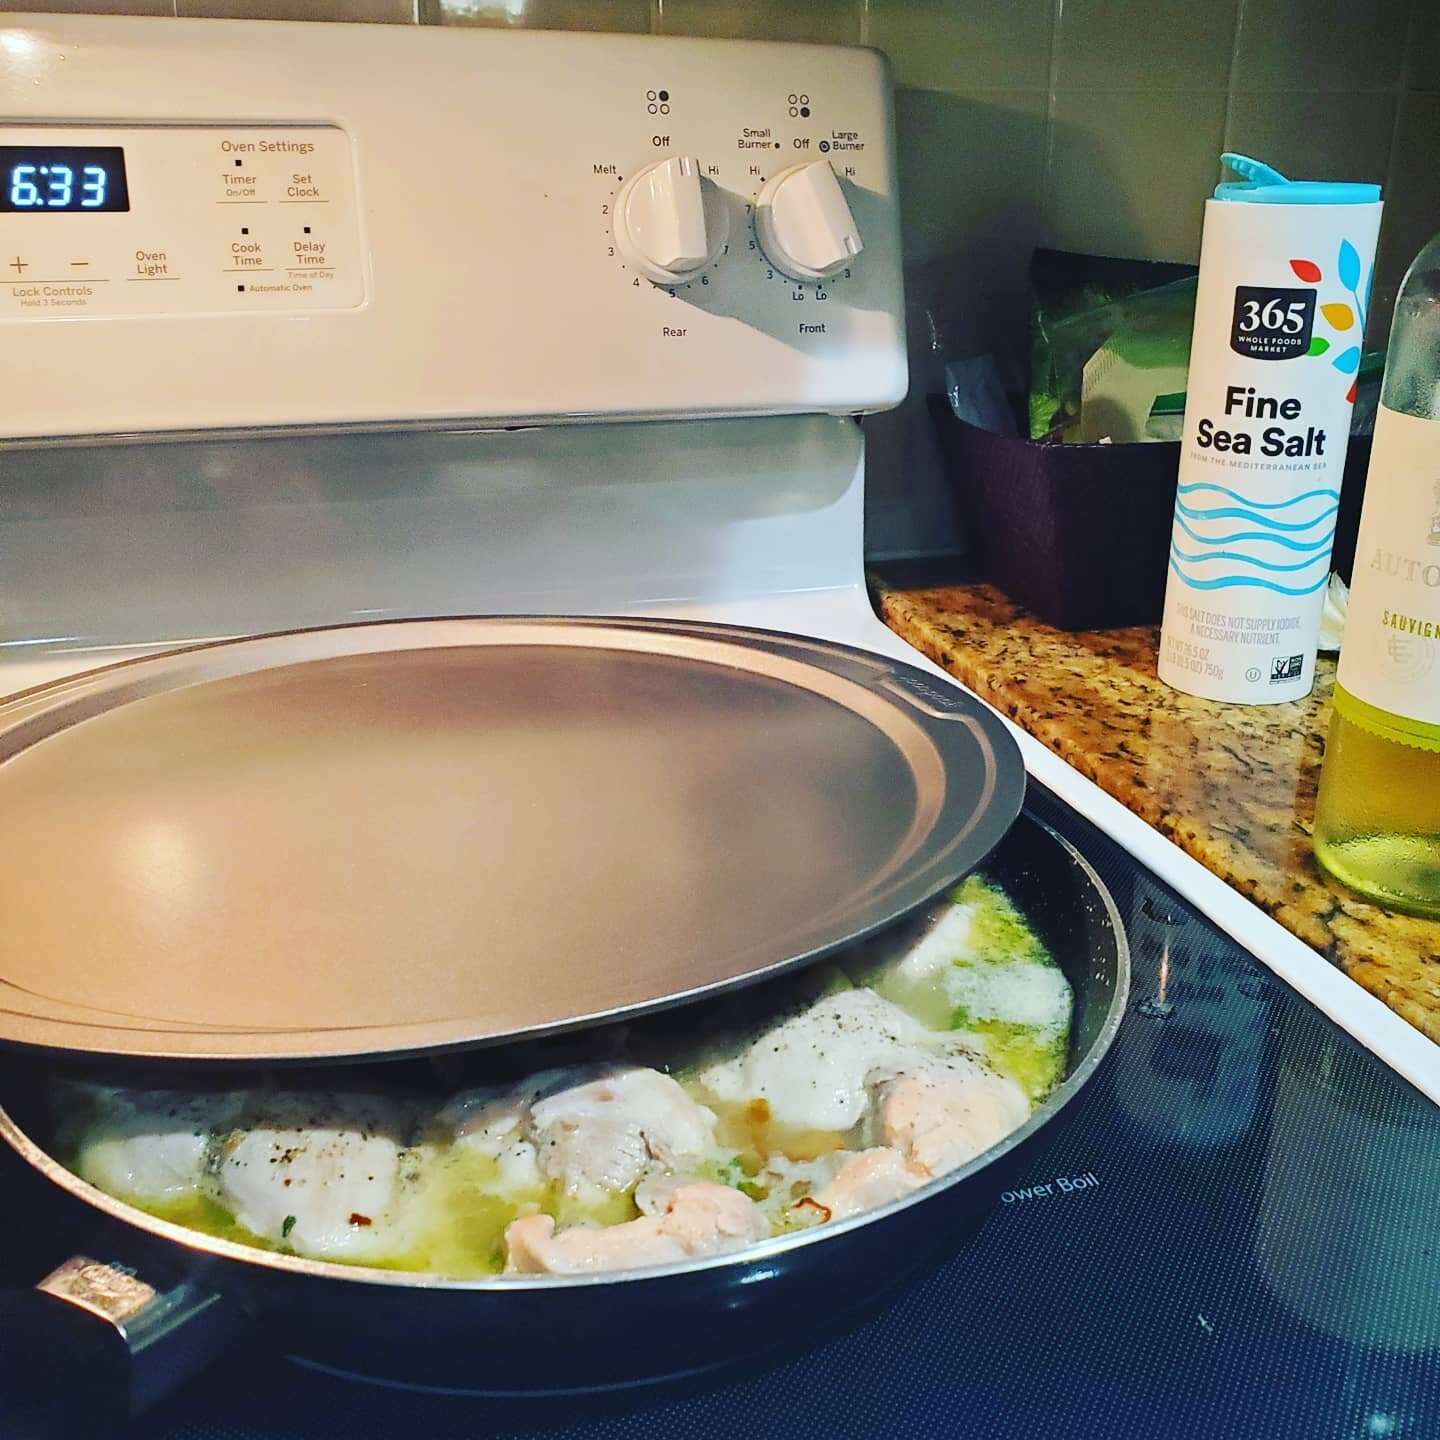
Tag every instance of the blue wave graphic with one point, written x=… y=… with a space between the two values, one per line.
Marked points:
x=1257 y=504
x=1254 y=516
x=1228 y=582
x=1321 y=544
x=1180 y=554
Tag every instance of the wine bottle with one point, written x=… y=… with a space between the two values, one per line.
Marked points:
x=1377 y=820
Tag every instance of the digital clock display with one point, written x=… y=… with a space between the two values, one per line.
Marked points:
x=62 y=179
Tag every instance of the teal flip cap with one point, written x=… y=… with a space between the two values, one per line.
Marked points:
x=1261 y=185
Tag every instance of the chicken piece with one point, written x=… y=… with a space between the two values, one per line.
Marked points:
x=785 y=1180
x=153 y=1146
x=602 y=1137
x=656 y=1192
x=812 y=1069
x=533 y=1248
x=327 y=1174
x=481 y=1115
x=940 y=1119
x=927 y=1123
x=873 y=1177
x=700 y=1219
x=493 y=1122
x=939 y=947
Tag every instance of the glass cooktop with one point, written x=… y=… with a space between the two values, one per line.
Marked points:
x=1235 y=1231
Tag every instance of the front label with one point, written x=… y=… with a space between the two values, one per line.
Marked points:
x=1391 y=655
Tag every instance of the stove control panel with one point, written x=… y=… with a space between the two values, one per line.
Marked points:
x=177 y=220
x=247 y=225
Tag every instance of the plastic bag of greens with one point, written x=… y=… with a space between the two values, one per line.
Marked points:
x=1115 y=318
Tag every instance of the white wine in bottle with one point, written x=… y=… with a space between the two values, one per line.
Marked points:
x=1377 y=821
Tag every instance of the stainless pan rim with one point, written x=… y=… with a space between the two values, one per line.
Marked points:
x=755 y=1255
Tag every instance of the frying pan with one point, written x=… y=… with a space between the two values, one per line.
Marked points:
x=152 y=1303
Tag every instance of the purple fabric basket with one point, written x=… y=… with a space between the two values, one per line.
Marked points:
x=1080 y=534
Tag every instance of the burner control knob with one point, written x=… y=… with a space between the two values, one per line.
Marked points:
x=804 y=222
x=669 y=222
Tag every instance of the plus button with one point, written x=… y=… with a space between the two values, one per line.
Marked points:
x=18 y=265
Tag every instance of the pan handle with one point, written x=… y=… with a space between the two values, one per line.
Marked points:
x=64 y=1372
x=94 y=1344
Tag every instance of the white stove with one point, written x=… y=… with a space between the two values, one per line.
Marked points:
x=353 y=432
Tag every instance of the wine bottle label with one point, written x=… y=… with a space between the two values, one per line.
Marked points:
x=1391 y=655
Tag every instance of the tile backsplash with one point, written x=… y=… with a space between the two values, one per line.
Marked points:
x=1087 y=124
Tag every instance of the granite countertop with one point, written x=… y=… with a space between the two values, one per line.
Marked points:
x=1232 y=785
